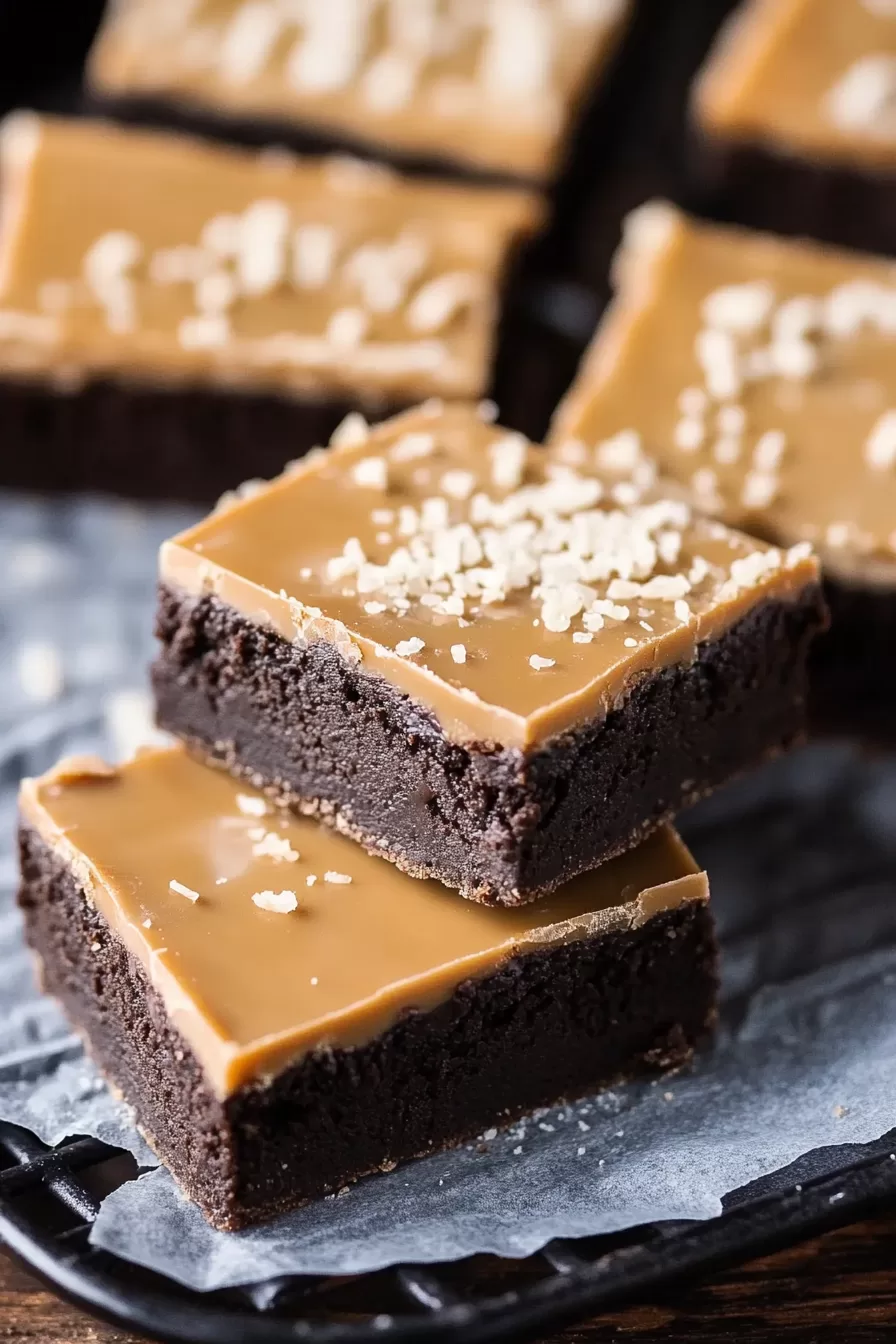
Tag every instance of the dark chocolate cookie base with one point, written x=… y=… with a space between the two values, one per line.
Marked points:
x=763 y=188
x=852 y=668
x=548 y=1025
x=503 y=827
x=144 y=441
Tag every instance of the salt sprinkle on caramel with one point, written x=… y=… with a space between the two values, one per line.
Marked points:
x=251 y=805
x=181 y=890
x=584 y=547
x=276 y=847
x=276 y=902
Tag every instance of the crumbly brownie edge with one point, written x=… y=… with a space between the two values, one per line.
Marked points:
x=742 y=183
x=551 y=1024
x=150 y=441
x=503 y=827
x=852 y=668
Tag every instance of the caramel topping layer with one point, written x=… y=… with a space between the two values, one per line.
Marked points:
x=269 y=937
x=157 y=257
x=815 y=77
x=515 y=593
x=772 y=375
x=491 y=84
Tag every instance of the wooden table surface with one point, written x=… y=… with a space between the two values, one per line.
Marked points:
x=839 y=1288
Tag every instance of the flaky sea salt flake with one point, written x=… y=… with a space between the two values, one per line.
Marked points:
x=413 y=445
x=181 y=890
x=276 y=902
x=458 y=484
x=251 y=805
x=407 y=648
x=276 y=847
x=508 y=459
x=741 y=309
x=371 y=473
x=880 y=446
x=350 y=432
x=622 y=452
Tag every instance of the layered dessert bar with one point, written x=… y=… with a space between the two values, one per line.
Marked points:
x=489 y=88
x=495 y=666
x=771 y=366
x=175 y=317
x=795 y=121
x=286 y=1014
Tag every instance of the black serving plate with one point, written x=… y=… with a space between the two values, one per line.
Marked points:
x=797 y=846
x=50 y=1197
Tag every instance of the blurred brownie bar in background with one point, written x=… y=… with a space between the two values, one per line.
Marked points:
x=492 y=665
x=442 y=84
x=795 y=121
x=175 y=317
x=764 y=371
x=286 y=1014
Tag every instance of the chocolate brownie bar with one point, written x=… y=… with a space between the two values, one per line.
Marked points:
x=490 y=88
x=286 y=1014
x=494 y=666
x=772 y=373
x=208 y=314
x=795 y=121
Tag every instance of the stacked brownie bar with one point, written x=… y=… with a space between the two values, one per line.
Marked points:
x=795 y=121
x=500 y=669
x=772 y=382
x=493 y=666
x=286 y=1014
x=204 y=315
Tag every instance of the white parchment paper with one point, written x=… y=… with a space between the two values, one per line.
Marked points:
x=802 y=859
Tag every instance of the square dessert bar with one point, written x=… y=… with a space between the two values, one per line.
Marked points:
x=203 y=314
x=772 y=373
x=286 y=1014
x=494 y=666
x=482 y=87
x=795 y=121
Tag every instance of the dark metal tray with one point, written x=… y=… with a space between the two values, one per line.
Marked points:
x=50 y=1197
